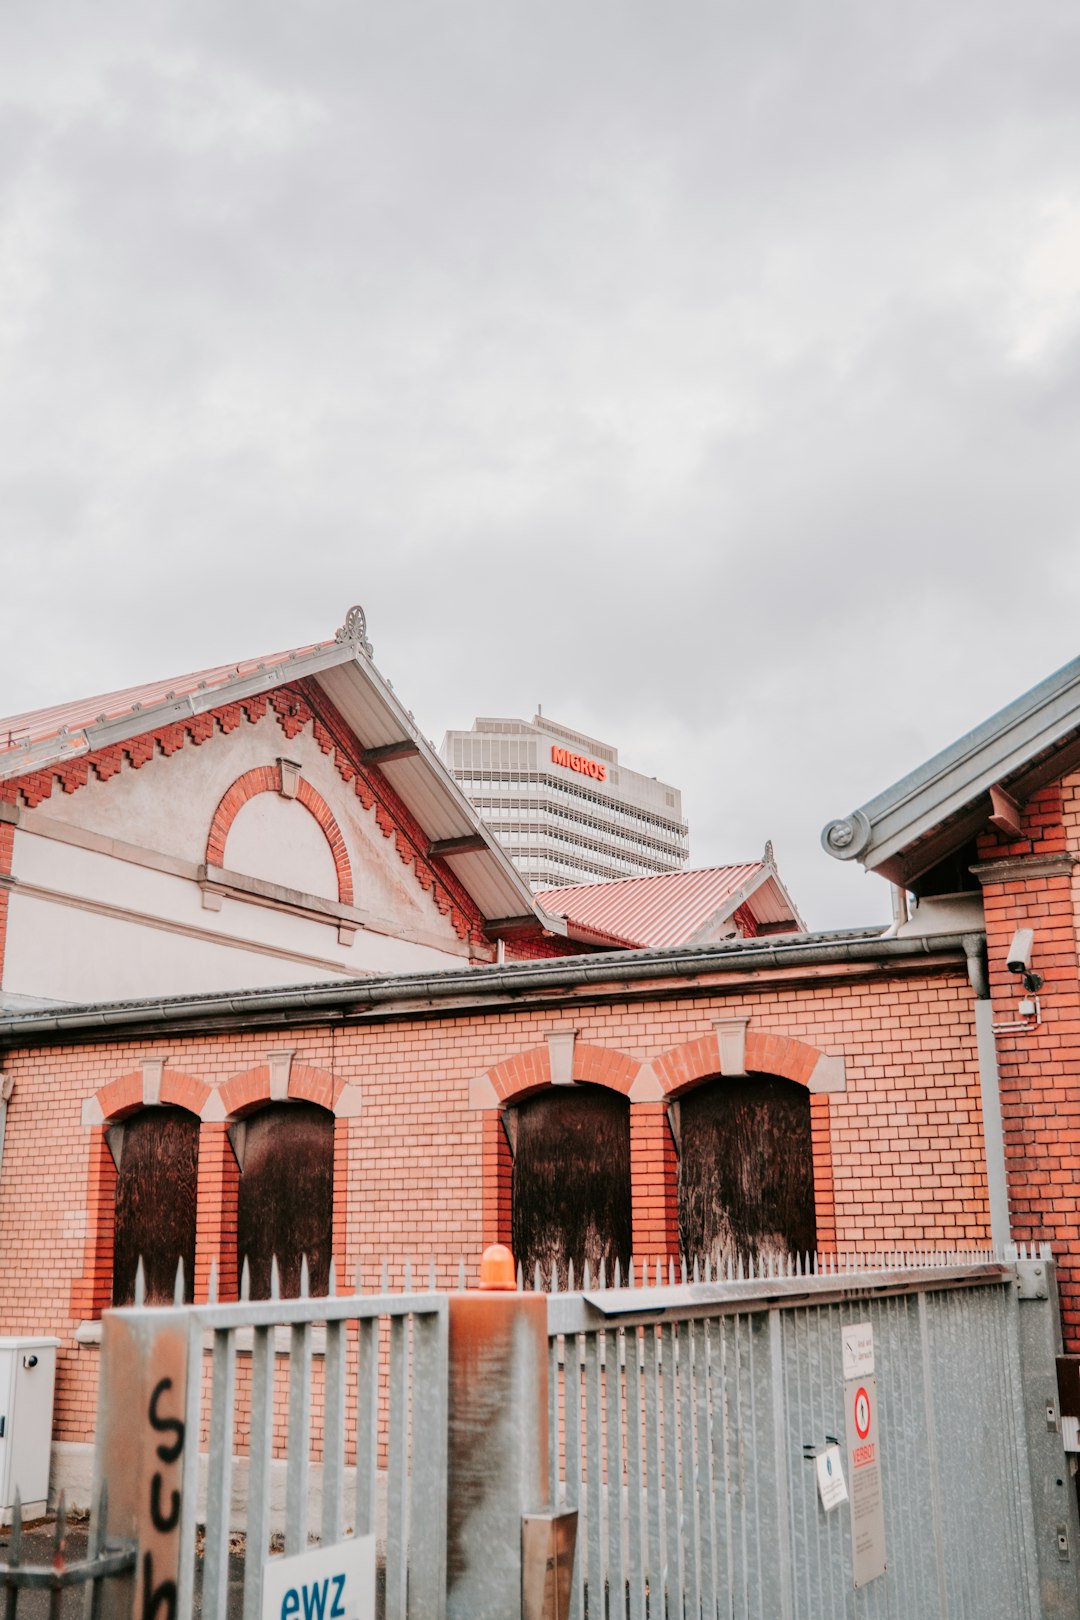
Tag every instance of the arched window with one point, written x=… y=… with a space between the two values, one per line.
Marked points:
x=571 y=1181
x=156 y=1153
x=746 y=1171
x=285 y=1204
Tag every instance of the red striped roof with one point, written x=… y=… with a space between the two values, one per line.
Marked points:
x=672 y=908
x=39 y=724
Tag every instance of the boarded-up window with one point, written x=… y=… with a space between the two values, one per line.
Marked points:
x=746 y=1172
x=571 y=1187
x=286 y=1197
x=157 y=1163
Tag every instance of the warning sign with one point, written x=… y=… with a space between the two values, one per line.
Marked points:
x=867 y=1502
x=862 y=1414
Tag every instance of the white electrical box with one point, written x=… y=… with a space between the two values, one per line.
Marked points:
x=27 y=1378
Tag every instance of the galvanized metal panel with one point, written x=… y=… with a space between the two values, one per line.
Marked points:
x=367 y=1424
x=333 y=1481
x=261 y=1452
x=731 y=1388
x=397 y=1505
x=428 y=1468
x=219 y=1477
x=299 y=1438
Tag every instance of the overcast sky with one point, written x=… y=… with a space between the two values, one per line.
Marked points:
x=708 y=373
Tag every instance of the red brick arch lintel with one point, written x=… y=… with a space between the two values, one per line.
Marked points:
x=517 y=1077
x=782 y=1055
x=124 y=1095
x=244 y=1093
x=267 y=779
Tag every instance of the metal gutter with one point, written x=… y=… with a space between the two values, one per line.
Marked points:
x=461 y=992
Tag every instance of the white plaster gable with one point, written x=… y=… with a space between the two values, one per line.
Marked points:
x=278 y=840
x=167 y=805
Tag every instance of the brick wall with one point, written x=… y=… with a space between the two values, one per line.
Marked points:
x=1030 y=882
x=424 y=1169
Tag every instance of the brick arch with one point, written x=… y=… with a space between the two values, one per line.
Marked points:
x=125 y=1095
x=242 y=1093
x=91 y=1291
x=267 y=779
x=515 y=1078
x=780 y=1055
x=789 y=1059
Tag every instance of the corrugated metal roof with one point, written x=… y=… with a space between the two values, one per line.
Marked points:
x=670 y=909
x=37 y=725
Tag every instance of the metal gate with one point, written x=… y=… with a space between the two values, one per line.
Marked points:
x=685 y=1423
x=681 y=1422
x=208 y=1412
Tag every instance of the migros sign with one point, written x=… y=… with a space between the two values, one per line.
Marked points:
x=578 y=762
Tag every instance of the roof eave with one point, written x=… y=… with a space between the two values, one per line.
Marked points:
x=62 y=748
x=512 y=893
x=997 y=752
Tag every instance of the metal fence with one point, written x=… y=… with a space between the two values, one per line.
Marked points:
x=685 y=1422
x=367 y=1430
x=20 y=1576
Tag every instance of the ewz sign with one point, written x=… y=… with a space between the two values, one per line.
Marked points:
x=327 y=1583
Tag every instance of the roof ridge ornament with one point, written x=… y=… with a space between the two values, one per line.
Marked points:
x=355 y=628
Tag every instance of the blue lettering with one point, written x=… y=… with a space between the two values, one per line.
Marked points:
x=338 y=1611
x=290 y=1603
x=315 y=1600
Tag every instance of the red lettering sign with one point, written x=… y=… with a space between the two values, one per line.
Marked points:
x=579 y=763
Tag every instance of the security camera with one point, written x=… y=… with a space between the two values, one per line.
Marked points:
x=1019 y=957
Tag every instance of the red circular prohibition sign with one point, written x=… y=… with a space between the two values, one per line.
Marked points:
x=862 y=1413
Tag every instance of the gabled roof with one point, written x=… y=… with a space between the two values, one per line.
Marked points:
x=987 y=774
x=387 y=734
x=673 y=908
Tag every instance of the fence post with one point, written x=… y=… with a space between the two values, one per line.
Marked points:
x=497 y=1461
x=1053 y=1489
x=139 y=1453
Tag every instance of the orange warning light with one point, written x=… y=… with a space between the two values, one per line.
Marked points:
x=497 y=1268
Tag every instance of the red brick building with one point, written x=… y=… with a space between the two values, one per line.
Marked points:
x=837 y=1092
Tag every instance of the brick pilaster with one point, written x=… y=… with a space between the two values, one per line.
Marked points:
x=92 y=1291
x=1030 y=883
x=497 y=1172
x=654 y=1183
x=824 y=1185
x=215 y=1227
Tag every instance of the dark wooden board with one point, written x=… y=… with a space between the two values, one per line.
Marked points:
x=155 y=1204
x=286 y=1198
x=571 y=1186
x=746 y=1170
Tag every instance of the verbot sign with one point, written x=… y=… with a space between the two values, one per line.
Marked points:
x=864 y=1461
